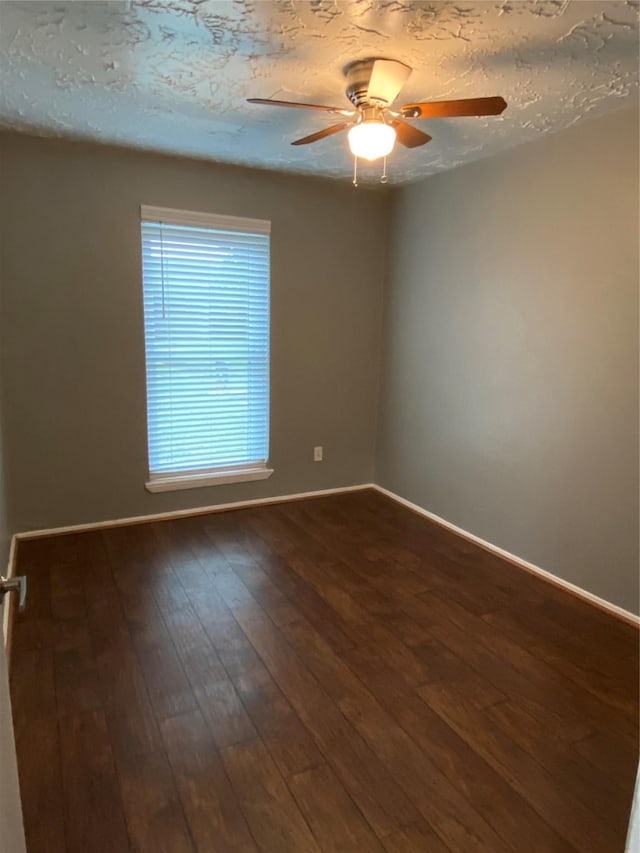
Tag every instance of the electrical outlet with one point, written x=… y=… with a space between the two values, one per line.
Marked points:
x=317 y=454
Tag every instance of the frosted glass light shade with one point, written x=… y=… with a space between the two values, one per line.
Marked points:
x=371 y=140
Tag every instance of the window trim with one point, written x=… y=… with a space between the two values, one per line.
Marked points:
x=219 y=475
x=212 y=477
x=195 y=219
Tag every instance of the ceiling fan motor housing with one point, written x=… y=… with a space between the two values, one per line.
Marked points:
x=358 y=75
x=362 y=89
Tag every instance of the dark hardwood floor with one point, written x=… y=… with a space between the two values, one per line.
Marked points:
x=334 y=674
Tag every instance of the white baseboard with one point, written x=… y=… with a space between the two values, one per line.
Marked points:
x=181 y=513
x=602 y=603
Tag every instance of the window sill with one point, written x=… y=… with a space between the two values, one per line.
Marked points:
x=195 y=481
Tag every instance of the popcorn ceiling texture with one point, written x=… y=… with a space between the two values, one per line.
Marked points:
x=173 y=75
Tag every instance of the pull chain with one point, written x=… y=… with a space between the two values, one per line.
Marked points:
x=355 y=171
x=384 y=179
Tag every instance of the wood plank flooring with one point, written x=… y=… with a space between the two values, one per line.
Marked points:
x=335 y=674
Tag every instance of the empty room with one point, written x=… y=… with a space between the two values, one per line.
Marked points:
x=319 y=389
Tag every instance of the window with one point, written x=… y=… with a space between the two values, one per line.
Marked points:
x=206 y=320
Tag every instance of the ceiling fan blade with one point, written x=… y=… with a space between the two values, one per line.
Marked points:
x=270 y=103
x=328 y=131
x=451 y=109
x=407 y=135
x=387 y=78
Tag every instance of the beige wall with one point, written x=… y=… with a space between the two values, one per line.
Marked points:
x=5 y=532
x=73 y=347
x=509 y=402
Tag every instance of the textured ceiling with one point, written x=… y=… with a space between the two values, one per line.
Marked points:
x=173 y=75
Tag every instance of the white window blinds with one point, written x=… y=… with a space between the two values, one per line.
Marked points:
x=206 y=315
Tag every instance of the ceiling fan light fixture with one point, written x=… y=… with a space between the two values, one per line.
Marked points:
x=371 y=140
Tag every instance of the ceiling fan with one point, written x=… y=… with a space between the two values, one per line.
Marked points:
x=372 y=87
